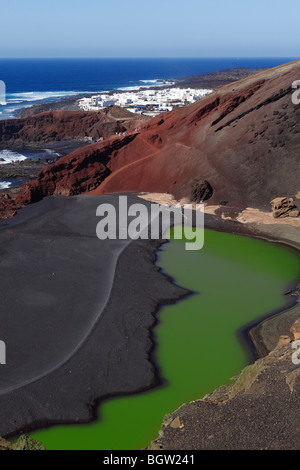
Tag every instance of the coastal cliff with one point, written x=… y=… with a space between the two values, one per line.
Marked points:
x=243 y=140
x=54 y=126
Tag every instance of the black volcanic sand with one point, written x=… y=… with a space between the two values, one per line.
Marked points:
x=37 y=159
x=25 y=169
x=260 y=411
x=76 y=313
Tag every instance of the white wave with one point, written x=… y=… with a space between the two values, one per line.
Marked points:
x=150 y=83
x=32 y=96
x=8 y=156
x=4 y=184
x=52 y=152
x=11 y=109
x=130 y=88
x=158 y=82
x=15 y=98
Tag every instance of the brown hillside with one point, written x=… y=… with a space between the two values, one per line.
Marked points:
x=67 y=125
x=244 y=139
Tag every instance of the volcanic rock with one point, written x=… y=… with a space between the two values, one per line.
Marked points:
x=284 y=207
x=65 y=125
x=201 y=191
x=284 y=339
x=256 y=412
x=294 y=213
x=295 y=329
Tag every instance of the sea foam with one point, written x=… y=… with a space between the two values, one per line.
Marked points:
x=16 y=98
x=8 y=156
x=4 y=184
x=146 y=84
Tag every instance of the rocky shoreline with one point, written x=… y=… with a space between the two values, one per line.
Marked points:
x=27 y=170
x=62 y=133
x=212 y=80
x=187 y=427
x=257 y=411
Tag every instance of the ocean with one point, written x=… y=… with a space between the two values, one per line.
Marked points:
x=35 y=81
x=9 y=156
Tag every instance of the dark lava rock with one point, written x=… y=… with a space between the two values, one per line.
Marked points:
x=223 y=203
x=201 y=191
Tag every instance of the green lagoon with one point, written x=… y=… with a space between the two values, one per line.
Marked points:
x=235 y=280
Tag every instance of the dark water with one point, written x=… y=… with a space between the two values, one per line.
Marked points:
x=31 y=81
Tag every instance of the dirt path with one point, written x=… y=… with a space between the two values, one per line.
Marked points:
x=103 y=185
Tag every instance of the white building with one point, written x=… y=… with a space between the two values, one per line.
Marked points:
x=150 y=102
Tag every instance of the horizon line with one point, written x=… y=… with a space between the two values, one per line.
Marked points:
x=152 y=57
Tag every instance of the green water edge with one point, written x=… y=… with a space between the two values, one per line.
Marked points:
x=235 y=280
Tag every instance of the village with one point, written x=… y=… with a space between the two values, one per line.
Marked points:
x=148 y=102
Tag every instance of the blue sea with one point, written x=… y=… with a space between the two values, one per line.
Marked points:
x=33 y=81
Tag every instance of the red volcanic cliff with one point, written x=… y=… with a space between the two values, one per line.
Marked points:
x=244 y=139
x=66 y=125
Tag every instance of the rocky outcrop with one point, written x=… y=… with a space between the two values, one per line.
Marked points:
x=77 y=177
x=201 y=191
x=295 y=330
x=256 y=412
x=284 y=207
x=56 y=126
x=243 y=139
x=23 y=443
x=215 y=79
x=24 y=170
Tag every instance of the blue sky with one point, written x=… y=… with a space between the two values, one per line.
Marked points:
x=153 y=28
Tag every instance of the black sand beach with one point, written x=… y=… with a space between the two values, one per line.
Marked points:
x=89 y=306
x=26 y=170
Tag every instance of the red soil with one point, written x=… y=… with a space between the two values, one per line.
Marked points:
x=244 y=139
x=53 y=126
